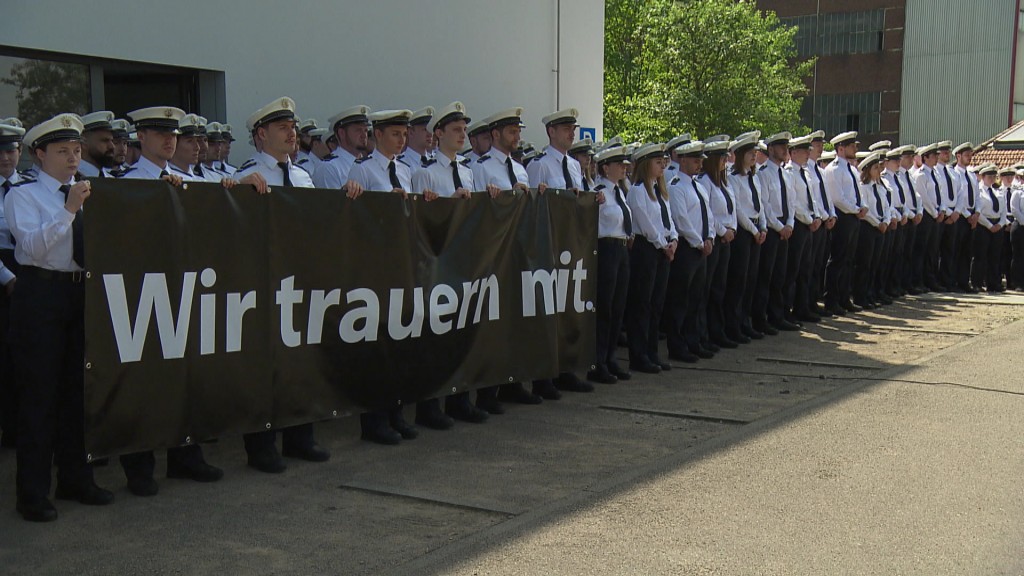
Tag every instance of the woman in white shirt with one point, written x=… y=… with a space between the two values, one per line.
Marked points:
x=654 y=246
x=1015 y=276
x=988 y=234
x=751 y=231
x=872 y=227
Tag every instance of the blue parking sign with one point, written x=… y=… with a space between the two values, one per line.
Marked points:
x=591 y=132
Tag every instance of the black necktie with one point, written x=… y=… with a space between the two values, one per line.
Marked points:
x=627 y=221
x=856 y=189
x=665 y=220
x=586 y=185
x=101 y=174
x=164 y=173
x=703 y=212
x=455 y=175
x=938 y=194
x=949 y=183
x=392 y=174
x=198 y=170
x=970 y=193
x=7 y=188
x=821 y=188
x=785 y=198
x=913 y=194
x=810 y=199
x=899 y=188
x=753 y=195
x=995 y=201
x=569 y=184
x=878 y=201
x=287 y=177
x=512 y=180
x=77 y=244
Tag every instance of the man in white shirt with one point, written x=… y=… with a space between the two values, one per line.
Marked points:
x=10 y=154
x=768 y=309
x=843 y=186
x=967 y=195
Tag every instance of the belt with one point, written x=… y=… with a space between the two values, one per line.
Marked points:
x=52 y=275
x=756 y=221
x=613 y=240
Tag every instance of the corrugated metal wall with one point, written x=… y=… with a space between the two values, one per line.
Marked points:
x=956 y=69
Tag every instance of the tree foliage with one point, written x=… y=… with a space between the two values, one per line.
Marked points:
x=44 y=89
x=700 y=66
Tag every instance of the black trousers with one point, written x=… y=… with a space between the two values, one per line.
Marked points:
x=1017 y=256
x=988 y=253
x=964 y=252
x=841 y=259
x=798 y=270
x=896 y=260
x=820 y=243
x=735 y=306
x=780 y=275
x=949 y=252
x=718 y=282
x=47 y=337
x=648 y=282
x=880 y=279
x=922 y=244
x=931 y=262
x=680 y=296
x=298 y=437
x=907 y=260
x=765 y=270
x=868 y=247
x=8 y=382
x=612 y=291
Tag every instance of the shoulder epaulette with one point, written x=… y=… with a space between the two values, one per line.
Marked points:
x=539 y=156
x=465 y=161
x=599 y=187
x=763 y=166
x=364 y=158
x=400 y=160
x=124 y=172
x=674 y=181
x=24 y=180
x=117 y=172
x=247 y=164
x=428 y=162
x=179 y=170
x=27 y=173
x=301 y=161
x=483 y=158
x=329 y=157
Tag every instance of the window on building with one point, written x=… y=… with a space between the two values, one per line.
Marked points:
x=838 y=33
x=35 y=90
x=835 y=113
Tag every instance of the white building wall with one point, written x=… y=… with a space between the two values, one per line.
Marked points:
x=332 y=54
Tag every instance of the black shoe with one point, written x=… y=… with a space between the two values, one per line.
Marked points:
x=786 y=326
x=701 y=352
x=623 y=341
x=820 y=311
x=971 y=290
x=766 y=329
x=618 y=372
x=751 y=333
x=546 y=390
x=808 y=317
x=884 y=300
x=267 y=460
x=518 y=394
x=404 y=429
x=143 y=487
x=739 y=338
x=711 y=346
x=311 y=453
x=645 y=367
x=569 y=382
x=36 y=509
x=683 y=356
x=375 y=429
x=864 y=305
x=490 y=404
x=836 y=310
x=665 y=366
x=851 y=307
x=601 y=375
x=201 y=472
x=723 y=342
x=89 y=494
x=460 y=408
x=429 y=415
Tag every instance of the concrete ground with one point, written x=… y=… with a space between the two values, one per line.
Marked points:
x=890 y=442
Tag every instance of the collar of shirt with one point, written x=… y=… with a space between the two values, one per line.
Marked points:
x=446 y=161
x=410 y=154
x=497 y=154
x=270 y=162
x=87 y=169
x=841 y=162
x=14 y=178
x=150 y=169
x=382 y=160
x=554 y=153
x=50 y=183
x=344 y=155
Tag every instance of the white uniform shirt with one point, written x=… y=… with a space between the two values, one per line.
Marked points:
x=772 y=178
x=546 y=168
x=947 y=185
x=688 y=202
x=333 y=171
x=88 y=170
x=437 y=176
x=206 y=174
x=913 y=203
x=968 y=195
x=815 y=179
x=41 y=225
x=991 y=205
x=5 y=230
x=648 y=219
x=843 y=186
x=750 y=215
x=926 y=182
x=898 y=192
x=186 y=175
x=801 y=195
x=145 y=170
x=492 y=168
x=723 y=204
x=610 y=215
x=371 y=172
x=873 y=194
x=1017 y=206
x=267 y=166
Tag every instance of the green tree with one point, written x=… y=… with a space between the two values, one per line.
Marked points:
x=45 y=89
x=701 y=66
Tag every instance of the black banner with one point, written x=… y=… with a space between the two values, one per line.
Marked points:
x=211 y=311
